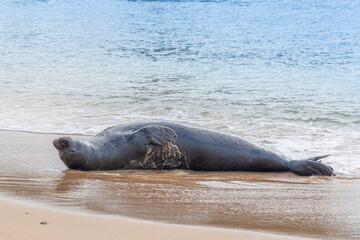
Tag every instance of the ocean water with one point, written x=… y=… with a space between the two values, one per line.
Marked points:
x=282 y=73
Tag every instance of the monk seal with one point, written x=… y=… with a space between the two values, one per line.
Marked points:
x=166 y=145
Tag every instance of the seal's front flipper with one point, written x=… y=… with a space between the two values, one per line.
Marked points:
x=310 y=167
x=156 y=135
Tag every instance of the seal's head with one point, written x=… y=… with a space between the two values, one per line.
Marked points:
x=76 y=154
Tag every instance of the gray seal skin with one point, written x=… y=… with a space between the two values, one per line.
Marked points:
x=166 y=145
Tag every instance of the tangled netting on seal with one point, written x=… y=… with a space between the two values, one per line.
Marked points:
x=167 y=156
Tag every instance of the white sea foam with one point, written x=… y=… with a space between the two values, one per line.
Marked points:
x=294 y=140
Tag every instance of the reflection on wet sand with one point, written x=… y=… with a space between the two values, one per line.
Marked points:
x=319 y=207
x=276 y=202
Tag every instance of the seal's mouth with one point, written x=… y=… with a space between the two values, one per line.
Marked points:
x=63 y=143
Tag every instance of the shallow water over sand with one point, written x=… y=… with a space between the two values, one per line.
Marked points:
x=285 y=73
x=321 y=207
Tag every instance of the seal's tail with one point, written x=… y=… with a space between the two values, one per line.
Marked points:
x=311 y=166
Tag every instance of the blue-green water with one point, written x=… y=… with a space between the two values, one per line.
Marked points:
x=284 y=74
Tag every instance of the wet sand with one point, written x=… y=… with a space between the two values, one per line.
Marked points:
x=281 y=203
x=19 y=221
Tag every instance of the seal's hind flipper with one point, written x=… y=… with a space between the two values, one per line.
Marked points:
x=157 y=135
x=310 y=167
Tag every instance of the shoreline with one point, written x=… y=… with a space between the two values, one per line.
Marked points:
x=46 y=133
x=20 y=220
x=138 y=200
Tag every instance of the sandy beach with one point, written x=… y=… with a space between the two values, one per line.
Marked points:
x=281 y=74
x=20 y=221
x=102 y=205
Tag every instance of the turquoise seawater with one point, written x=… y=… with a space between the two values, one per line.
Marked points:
x=281 y=73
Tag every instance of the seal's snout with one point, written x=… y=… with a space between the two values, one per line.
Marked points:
x=62 y=143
